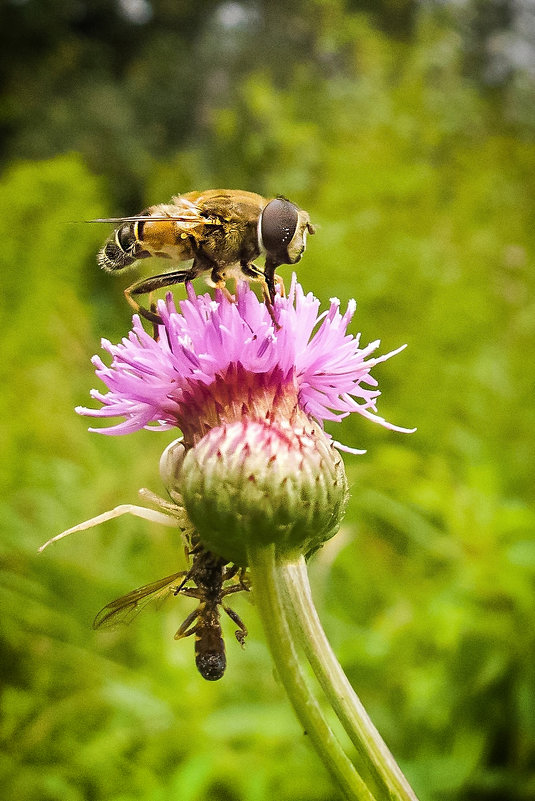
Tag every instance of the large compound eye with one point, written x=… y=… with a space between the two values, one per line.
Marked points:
x=278 y=224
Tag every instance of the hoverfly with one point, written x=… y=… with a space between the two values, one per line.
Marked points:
x=222 y=230
x=208 y=575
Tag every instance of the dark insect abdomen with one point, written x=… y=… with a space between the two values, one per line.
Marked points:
x=209 y=646
x=211 y=664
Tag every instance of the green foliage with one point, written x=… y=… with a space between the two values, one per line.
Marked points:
x=424 y=197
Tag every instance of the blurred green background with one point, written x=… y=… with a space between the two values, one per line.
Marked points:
x=407 y=131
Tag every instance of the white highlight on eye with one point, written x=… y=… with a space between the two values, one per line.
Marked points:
x=259 y=233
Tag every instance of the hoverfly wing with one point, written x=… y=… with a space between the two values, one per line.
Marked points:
x=156 y=218
x=127 y=607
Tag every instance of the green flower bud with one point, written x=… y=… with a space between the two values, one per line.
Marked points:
x=252 y=483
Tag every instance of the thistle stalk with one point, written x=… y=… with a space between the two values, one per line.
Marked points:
x=374 y=759
x=266 y=574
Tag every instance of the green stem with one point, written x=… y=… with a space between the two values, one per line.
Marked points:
x=375 y=760
x=266 y=576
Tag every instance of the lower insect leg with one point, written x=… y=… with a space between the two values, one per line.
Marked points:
x=185 y=630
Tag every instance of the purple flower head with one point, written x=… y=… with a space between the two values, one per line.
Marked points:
x=217 y=361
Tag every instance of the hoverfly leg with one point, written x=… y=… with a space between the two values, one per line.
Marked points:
x=280 y=283
x=161 y=280
x=271 y=309
x=242 y=632
x=216 y=278
x=268 y=287
x=251 y=270
x=220 y=283
x=229 y=296
x=269 y=276
x=155 y=326
x=153 y=318
x=148 y=285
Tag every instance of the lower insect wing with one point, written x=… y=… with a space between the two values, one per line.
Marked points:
x=127 y=607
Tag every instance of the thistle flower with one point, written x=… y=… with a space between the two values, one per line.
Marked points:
x=251 y=400
x=217 y=361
